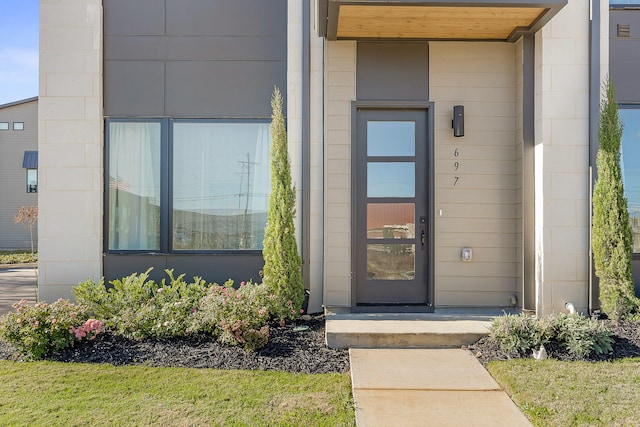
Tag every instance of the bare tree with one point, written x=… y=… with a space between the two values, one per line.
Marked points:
x=28 y=217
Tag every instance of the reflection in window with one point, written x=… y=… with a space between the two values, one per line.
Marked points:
x=391 y=262
x=390 y=221
x=391 y=179
x=134 y=185
x=32 y=180
x=220 y=185
x=630 y=164
x=391 y=138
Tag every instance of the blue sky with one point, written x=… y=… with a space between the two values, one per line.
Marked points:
x=18 y=50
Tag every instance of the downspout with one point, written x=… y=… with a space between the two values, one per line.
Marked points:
x=594 y=113
x=306 y=141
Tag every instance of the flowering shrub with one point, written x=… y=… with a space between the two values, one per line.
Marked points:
x=138 y=308
x=236 y=316
x=39 y=329
x=88 y=329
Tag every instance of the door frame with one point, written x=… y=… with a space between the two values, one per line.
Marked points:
x=428 y=107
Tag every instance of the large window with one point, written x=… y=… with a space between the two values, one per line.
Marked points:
x=187 y=185
x=630 y=163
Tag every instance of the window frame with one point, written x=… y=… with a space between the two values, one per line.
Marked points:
x=3 y=124
x=18 y=123
x=166 y=187
x=27 y=177
x=629 y=106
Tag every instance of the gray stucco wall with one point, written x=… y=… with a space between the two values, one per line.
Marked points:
x=623 y=55
x=391 y=71
x=13 y=177
x=193 y=58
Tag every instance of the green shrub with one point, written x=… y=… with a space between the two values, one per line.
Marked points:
x=236 y=316
x=519 y=333
x=42 y=328
x=581 y=336
x=282 y=263
x=578 y=335
x=611 y=235
x=138 y=308
x=18 y=257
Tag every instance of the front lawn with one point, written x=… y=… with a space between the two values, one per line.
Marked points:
x=63 y=394
x=557 y=393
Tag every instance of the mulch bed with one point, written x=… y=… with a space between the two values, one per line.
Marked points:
x=626 y=344
x=287 y=350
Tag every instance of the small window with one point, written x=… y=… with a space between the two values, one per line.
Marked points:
x=18 y=125
x=4 y=125
x=32 y=180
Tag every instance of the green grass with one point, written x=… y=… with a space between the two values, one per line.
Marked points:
x=17 y=257
x=554 y=393
x=69 y=394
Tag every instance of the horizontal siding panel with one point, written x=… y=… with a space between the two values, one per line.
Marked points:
x=13 y=177
x=465 y=196
x=468 y=225
x=477 y=284
x=480 y=254
x=485 y=167
x=476 y=269
x=477 y=210
x=478 y=238
x=475 y=152
x=470 y=181
x=473 y=299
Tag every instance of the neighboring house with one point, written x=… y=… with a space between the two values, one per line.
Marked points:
x=154 y=145
x=18 y=169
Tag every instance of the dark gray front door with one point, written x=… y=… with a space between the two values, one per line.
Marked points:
x=391 y=195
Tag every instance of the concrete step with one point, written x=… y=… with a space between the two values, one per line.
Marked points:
x=442 y=329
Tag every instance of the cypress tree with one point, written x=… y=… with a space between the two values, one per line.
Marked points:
x=611 y=235
x=282 y=263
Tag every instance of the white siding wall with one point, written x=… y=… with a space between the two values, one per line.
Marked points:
x=340 y=90
x=480 y=211
x=13 y=177
x=70 y=145
x=561 y=160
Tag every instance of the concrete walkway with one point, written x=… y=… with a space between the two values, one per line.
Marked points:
x=16 y=283
x=427 y=387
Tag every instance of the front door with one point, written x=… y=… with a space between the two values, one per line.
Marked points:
x=392 y=233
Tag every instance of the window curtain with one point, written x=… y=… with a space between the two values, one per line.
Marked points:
x=134 y=186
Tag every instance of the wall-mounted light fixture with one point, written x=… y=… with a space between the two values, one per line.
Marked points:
x=458 y=120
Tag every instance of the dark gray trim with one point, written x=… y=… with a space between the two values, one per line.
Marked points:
x=528 y=170
x=322 y=13
x=166 y=189
x=430 y=262
x=594 y=119
x=306 y=140
x=212 y=268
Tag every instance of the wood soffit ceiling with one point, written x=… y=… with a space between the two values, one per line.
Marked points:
x=377 y=19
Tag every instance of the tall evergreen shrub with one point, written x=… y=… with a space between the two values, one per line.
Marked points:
x=611 y=236
x=282 y=263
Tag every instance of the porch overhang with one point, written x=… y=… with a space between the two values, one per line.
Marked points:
x=493 y=20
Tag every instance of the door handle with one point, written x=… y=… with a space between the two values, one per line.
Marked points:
x=423 y=221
